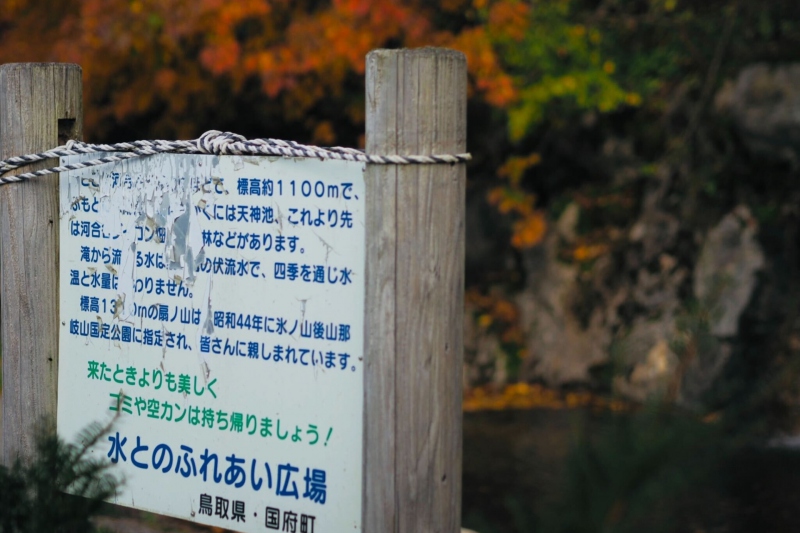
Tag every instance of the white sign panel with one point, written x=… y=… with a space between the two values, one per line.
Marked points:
x=214 y=306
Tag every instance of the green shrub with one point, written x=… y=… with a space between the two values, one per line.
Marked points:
x=58 y=489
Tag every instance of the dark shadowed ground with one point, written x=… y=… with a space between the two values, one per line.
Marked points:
x=514 y=470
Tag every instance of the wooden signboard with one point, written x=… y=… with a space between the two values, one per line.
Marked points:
x=214 y=305
x=278 y=341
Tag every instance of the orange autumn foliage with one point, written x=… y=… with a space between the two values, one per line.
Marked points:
x=496 y=312
x=536 y=396
x=588 y=252
x=530 y=225
x=146 y=57
x=174 y=68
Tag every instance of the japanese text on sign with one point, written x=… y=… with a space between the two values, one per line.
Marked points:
x=214 y=307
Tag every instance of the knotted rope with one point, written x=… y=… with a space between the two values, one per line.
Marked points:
x=211 y=142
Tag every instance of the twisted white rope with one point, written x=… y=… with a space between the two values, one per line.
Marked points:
x=211 y=142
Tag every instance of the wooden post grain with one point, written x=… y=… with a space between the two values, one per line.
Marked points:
x=416 y=104
x=40 y=108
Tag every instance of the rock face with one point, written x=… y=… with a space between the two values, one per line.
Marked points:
x=562 y=348
x=764 y=102
x=650 y=360
x=725 y=273
x=686 y=350
x=668 y=348
x=724 y=281
x=484 y=359
x=663 y=309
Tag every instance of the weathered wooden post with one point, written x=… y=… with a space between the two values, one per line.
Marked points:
x=416 y=104
x=40 y=108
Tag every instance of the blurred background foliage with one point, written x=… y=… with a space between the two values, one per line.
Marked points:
x=632 y=206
